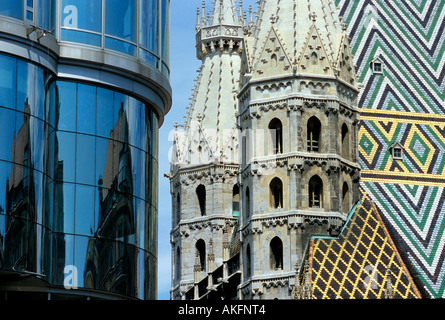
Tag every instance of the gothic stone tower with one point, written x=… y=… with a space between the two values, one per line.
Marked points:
x=203 y=174
x=283 y=88
x=299 y=173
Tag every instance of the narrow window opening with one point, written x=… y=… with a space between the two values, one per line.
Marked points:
x=345 y=140
x=201 y=249
x=247 y=202
x=315 y=192
x=313 y=134
x=345 y=198
x=276 y=193
x=201 y=194
x=248 y=261
x=276 y=254
x=276 y=134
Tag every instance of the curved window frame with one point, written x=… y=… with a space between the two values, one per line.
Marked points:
x=152 y=49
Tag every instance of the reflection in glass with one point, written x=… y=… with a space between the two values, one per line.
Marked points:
x=82 y=14
x=85 y=159
x=46 y=10
x=86 y=109
x=76 y=189
x=84 y=216
x=104 y=122
x=8 y=81
x=26 y=77
x=148 y=29
x=120 y=19
x=65 y=157
x=166 y=31
x=13 y=9
x=7 y=134
x=67 y=106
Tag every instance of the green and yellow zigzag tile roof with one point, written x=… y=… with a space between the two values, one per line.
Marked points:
x=404 y=104
x=356 y=264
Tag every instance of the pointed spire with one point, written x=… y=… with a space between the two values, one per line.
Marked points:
x=224 y=13
x=203 y=15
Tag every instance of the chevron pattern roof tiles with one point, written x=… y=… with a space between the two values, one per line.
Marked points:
x=405 y=104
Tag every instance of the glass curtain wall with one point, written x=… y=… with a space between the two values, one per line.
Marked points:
x=137 y=28
x=41 y=13
x=78 y=182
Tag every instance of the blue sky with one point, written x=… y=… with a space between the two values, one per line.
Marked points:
x=183 y=70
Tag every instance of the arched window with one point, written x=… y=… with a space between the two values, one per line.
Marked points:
x=247 y=202
x=201 y=252
x=276 y=193
x=345 y=147
x=313 y=134
x=345 y=203
x=273 y=60
x=314 y=58
x=276 y=254
x=276 y=134
x=248 y=261
x=235 y=201
x=315 y=192
x=201 y=194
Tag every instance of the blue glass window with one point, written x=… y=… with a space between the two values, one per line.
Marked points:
x=119 y=45
x=166 y=31
x=67 y=106
x=104 y=123
x=12 y=9
x=85 y=159
x=7 y=132
x=84 y=218
x=82 y=14
x=86 y=109
x=148 y=29
x=66 y=156
x=26 y=77
x=81 y=37
x=46 y=14
x=120 y=19
x=8 y=81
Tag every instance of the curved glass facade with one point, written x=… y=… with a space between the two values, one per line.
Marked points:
x=78 y=182
x=137 y=28
x=41 y=13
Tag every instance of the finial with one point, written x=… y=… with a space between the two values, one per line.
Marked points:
x=203 y=14
x=198 y=22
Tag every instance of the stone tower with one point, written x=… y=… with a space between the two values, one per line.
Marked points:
x=203 y=176
x=299 y=172
x=268 y=155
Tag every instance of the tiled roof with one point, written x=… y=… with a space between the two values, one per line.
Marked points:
x=404 y=104
x=362 y=262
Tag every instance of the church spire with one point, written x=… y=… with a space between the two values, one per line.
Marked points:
x=224 y=13
x=293 y=21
